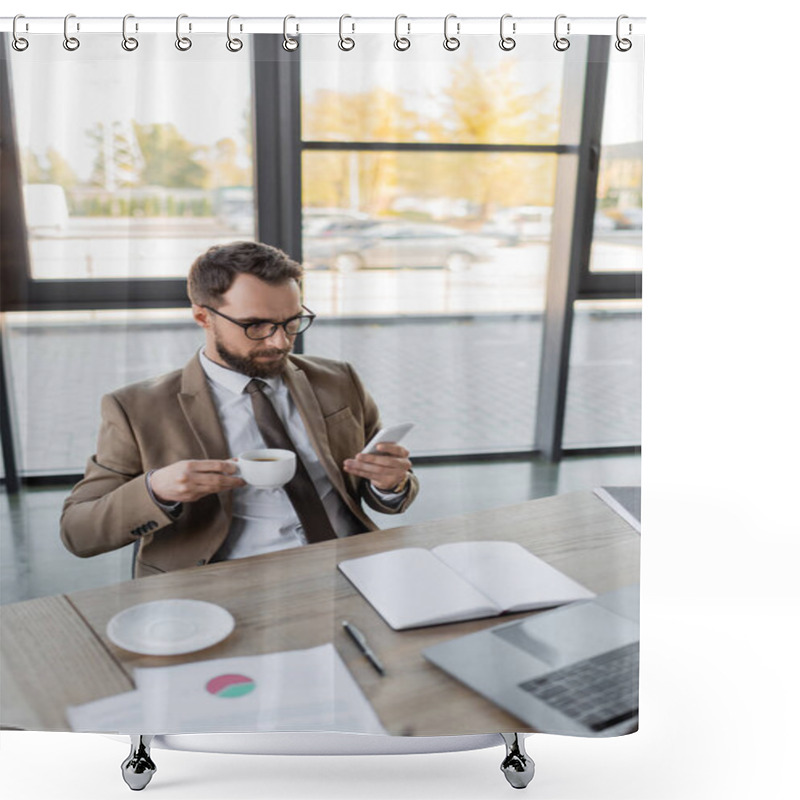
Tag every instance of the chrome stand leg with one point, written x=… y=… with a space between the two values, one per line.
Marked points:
x=518 y=766
x=138 y=768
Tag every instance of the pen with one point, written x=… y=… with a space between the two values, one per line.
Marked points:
x=361 y=643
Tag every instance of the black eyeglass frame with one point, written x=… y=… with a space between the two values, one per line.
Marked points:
x=310 y=316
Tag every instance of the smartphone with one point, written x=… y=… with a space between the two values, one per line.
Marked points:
x=394 y=433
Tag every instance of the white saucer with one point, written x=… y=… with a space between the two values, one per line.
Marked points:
x=170 y=627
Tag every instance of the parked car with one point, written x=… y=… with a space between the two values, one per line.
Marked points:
x=326 y=230
x=603 y=223
x=401 y=245
x=333 y=224
x=629 y=219
x=521 y=224
x=625 y=219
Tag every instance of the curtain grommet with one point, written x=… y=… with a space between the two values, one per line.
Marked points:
x=346 y=43
x=623 y=44
x=129 y=43
x=71 y=43
x=234 y=45
x=561 y=43
x=290 y=43
x=183 y=43
x=401 y=43
x=19 y=43
x=451 y=43
x=507 y=43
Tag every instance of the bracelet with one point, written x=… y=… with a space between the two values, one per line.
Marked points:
x=401 y=486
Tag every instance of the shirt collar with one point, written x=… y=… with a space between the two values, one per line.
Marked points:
x=229 y=379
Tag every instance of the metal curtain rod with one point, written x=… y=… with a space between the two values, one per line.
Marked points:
x=464 y=26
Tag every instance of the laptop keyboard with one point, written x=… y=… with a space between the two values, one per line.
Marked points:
x=599 y=692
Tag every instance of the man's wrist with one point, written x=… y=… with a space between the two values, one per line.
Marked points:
x=398 y=489
x=173 y=509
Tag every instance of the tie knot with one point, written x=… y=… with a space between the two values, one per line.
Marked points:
x=255 y=386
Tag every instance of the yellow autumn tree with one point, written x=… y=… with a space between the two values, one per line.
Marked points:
x=222 y=164
x=481 y=105
x=493 y=106
x=365 y=180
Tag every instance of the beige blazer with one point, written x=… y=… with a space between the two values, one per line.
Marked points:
x=157 y=422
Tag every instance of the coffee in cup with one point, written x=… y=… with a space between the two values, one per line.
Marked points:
x=267 y=469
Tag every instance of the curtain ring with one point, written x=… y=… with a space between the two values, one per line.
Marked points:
x=506 y=42
x=290 y=43
x=70 y=42
x=18 y=43
x=129 y=43
x=561 y=43
x=183 y=43
x=401 y=43
x=234 y=45
x=623 y=45
x=451 y=42
x=345 y=42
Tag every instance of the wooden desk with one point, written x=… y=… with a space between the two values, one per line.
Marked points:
x=54 y=651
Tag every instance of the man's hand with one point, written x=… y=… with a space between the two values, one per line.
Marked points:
x=384 y=470
x=185 y=481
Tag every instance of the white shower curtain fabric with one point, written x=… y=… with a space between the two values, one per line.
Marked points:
x=468 y=221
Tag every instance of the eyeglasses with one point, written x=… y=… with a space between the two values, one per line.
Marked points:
x=264 y=328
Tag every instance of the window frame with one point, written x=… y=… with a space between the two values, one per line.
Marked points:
x=278 y=191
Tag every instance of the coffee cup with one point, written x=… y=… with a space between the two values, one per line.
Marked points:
x=267 y=469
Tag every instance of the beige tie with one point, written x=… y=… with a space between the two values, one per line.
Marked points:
x=301 y=489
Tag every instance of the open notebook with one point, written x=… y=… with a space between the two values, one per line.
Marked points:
x=413 y=587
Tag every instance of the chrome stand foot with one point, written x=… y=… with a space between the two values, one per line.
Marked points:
x=138 y=768
x=518 y=766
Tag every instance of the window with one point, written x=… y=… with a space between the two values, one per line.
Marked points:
x=139 y=165
x=427 y=219
x=604 y=406
x=427 y=227
x=61 y=363
x=476 y=95
x=617 y=242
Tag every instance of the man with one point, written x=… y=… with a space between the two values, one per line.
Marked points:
x=163 y=474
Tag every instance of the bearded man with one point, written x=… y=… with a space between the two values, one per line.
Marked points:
x=164 y=476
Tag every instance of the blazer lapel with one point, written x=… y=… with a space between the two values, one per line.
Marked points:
x=198 y=405
x=311 y=413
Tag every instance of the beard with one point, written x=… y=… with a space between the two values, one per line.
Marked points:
x=250 y=366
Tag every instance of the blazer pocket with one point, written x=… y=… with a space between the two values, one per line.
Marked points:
x=345 y=435
x=340 y=416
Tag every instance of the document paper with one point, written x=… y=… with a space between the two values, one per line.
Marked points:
x=299 y=690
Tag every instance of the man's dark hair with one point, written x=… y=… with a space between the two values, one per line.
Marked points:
x=212 y=273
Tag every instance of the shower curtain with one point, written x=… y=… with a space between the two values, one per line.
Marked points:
x=466 y=206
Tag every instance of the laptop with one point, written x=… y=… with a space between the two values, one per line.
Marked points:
x=571 y=670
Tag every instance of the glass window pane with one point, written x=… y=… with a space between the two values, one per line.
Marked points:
x=435 y=297
x=473 y=95
x=469 y=383
x=62 y=363
x=426 y=233
x=429 y=268
x=617 y=243
x=137 y=164
x=604 y=390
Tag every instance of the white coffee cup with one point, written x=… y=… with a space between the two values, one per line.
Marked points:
x=267 y=469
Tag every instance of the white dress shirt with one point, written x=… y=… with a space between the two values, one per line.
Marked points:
x=264 y=519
